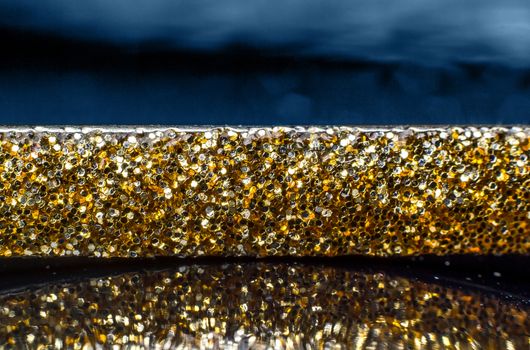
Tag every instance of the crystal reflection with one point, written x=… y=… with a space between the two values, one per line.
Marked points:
x=259 y=306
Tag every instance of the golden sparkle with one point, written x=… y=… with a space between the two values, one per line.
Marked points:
x=122 y=192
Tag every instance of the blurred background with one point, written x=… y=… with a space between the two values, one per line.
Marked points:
x=264 y=62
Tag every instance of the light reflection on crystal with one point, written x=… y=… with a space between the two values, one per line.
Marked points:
x=272 y=191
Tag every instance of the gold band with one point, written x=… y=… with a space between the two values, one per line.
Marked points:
x=303 y=191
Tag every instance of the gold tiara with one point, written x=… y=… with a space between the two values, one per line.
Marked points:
x=264 y=191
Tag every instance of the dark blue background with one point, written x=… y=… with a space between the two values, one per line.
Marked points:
x=63 y=63
x=176 y=88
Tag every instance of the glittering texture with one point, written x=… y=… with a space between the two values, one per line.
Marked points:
x=260 y=306
x=264 y=191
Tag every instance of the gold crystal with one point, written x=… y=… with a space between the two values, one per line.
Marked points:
x=119 y=192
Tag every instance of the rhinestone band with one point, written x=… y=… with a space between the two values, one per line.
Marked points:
x=271 y=191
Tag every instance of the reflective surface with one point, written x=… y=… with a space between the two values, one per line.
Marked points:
x=259 y=305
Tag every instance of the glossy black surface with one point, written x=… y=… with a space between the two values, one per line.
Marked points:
x=507 y=276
